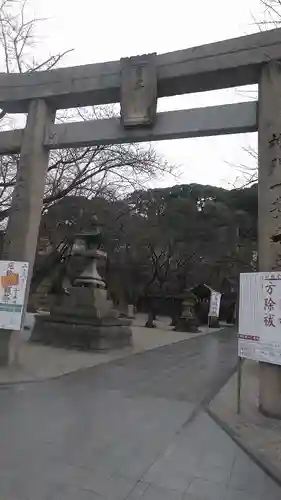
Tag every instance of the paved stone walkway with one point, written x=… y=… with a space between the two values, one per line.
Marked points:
x=40 y=362
x=129 y=430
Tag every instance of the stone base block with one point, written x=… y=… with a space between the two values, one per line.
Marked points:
x=188 y=325
x=213 y=322
x=98 y=334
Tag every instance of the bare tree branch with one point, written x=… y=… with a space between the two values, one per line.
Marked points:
x=271 y=17
x=84 y=172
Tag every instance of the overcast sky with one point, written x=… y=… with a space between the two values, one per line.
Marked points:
x=111 y=29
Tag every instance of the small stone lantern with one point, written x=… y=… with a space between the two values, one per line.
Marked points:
x=188 y=321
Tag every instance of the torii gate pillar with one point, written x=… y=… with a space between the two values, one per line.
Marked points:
x=269 y=218
x=22 y=232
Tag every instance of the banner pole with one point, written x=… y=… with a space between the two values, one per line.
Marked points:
x=239 y=384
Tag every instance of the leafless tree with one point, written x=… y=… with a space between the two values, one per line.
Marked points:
x=247 y=174
x=102 y=170
x=270 y=18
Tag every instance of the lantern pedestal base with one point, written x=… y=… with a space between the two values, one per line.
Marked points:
x=188 y=325
x=84 y=320
x=213 y=322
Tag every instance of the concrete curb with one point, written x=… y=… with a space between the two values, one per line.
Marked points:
x=255 y=456
x=220 y=384
x=202 y=406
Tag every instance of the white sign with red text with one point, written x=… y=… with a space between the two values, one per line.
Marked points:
x=259 y=336
x=13 y=279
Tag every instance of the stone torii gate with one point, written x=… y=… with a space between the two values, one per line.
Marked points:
x=137 y=83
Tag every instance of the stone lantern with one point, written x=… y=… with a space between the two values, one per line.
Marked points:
x=85 y=245
x=85 y=318
x=188 y=321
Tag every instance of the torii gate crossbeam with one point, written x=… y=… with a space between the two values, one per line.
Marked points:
x=224 y=64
